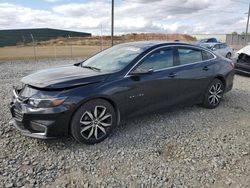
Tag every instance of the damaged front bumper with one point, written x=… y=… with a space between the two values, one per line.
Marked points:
x=42 y=123
x=242 y=67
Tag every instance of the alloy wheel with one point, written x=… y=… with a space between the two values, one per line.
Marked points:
x=215 y=94
x=94 y=124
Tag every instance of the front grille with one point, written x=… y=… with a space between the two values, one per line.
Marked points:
x=17 y=115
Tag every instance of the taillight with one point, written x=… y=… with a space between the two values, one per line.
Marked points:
x=232 y=65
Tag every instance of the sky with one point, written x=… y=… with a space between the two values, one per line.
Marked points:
x=131 y=16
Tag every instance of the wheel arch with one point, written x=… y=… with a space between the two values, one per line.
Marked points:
x=95 y=98
x=222 y=79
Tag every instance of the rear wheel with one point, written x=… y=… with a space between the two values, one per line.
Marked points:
x=214 y=94
x=93 y=121
x=228 y=55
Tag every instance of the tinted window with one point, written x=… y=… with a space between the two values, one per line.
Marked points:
x=223 y=45
x=217 y=46
x=206 y=55
x=189 y=55
x=159 y=59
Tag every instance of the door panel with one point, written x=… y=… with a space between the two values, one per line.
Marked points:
x=195 y=79
x=194 y=73
x=180 y=83
x=153 y=91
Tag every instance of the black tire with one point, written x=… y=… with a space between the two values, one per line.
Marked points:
x=228 y=55
x=214 y=94
x=87 y=121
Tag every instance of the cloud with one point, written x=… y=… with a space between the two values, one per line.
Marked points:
x=94 y=9
x=55 y=1
x=165 y=16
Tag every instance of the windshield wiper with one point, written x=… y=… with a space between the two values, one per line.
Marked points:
x=92 y=68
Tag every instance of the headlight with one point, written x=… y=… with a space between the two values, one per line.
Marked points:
x=46 y=103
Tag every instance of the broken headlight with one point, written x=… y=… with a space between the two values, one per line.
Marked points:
x=46 y=103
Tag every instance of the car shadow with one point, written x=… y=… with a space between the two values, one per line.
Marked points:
x=136 y=131
x=146 y=130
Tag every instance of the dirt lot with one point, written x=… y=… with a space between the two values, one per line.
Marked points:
x=27 y=52
x=183 y=147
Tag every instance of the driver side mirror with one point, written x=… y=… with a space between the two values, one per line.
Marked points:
x=213 y=48
x=141 y=71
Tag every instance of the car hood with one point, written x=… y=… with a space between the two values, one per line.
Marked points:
x=63 y=77
x=245 y=50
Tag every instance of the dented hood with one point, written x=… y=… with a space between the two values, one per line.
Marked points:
x=245 y=50
x=63 y=77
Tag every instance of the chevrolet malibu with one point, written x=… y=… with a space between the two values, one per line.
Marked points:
x=88 y=99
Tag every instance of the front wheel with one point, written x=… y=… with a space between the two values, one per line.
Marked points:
x=214 y=94
x=93 y=121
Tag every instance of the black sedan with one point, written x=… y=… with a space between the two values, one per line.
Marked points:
x=88 y=99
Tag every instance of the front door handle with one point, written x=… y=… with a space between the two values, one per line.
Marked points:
x=205 y=68
x=172 y=75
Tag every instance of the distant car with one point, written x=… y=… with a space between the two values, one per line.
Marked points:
x=219 y=48
x=89 y=99
x=242 y=60
x=208 y=40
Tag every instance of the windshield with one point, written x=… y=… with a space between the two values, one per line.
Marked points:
x=113 y=59
x=207 y=45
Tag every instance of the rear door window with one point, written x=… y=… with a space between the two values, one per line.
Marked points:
x=222 y=46
x=189 y=55
x=206 y=55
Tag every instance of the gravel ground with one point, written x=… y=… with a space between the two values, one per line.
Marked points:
x=184 y=147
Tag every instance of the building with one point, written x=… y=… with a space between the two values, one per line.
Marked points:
x=23 y=36
x=237 y=39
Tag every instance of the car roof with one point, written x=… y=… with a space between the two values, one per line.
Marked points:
x=213 y=43
x=149 y=44
x=208 y=38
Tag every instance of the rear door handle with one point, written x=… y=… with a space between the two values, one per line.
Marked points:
x=172 y=75
x=205 y=68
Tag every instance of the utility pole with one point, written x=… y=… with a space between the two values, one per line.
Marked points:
x=101 y=42
x=112 y=23
x=34 y=46
x=71 y=46
x=246 y=35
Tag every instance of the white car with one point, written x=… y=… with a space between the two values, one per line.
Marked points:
x=219 y=48
x=242 y=60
